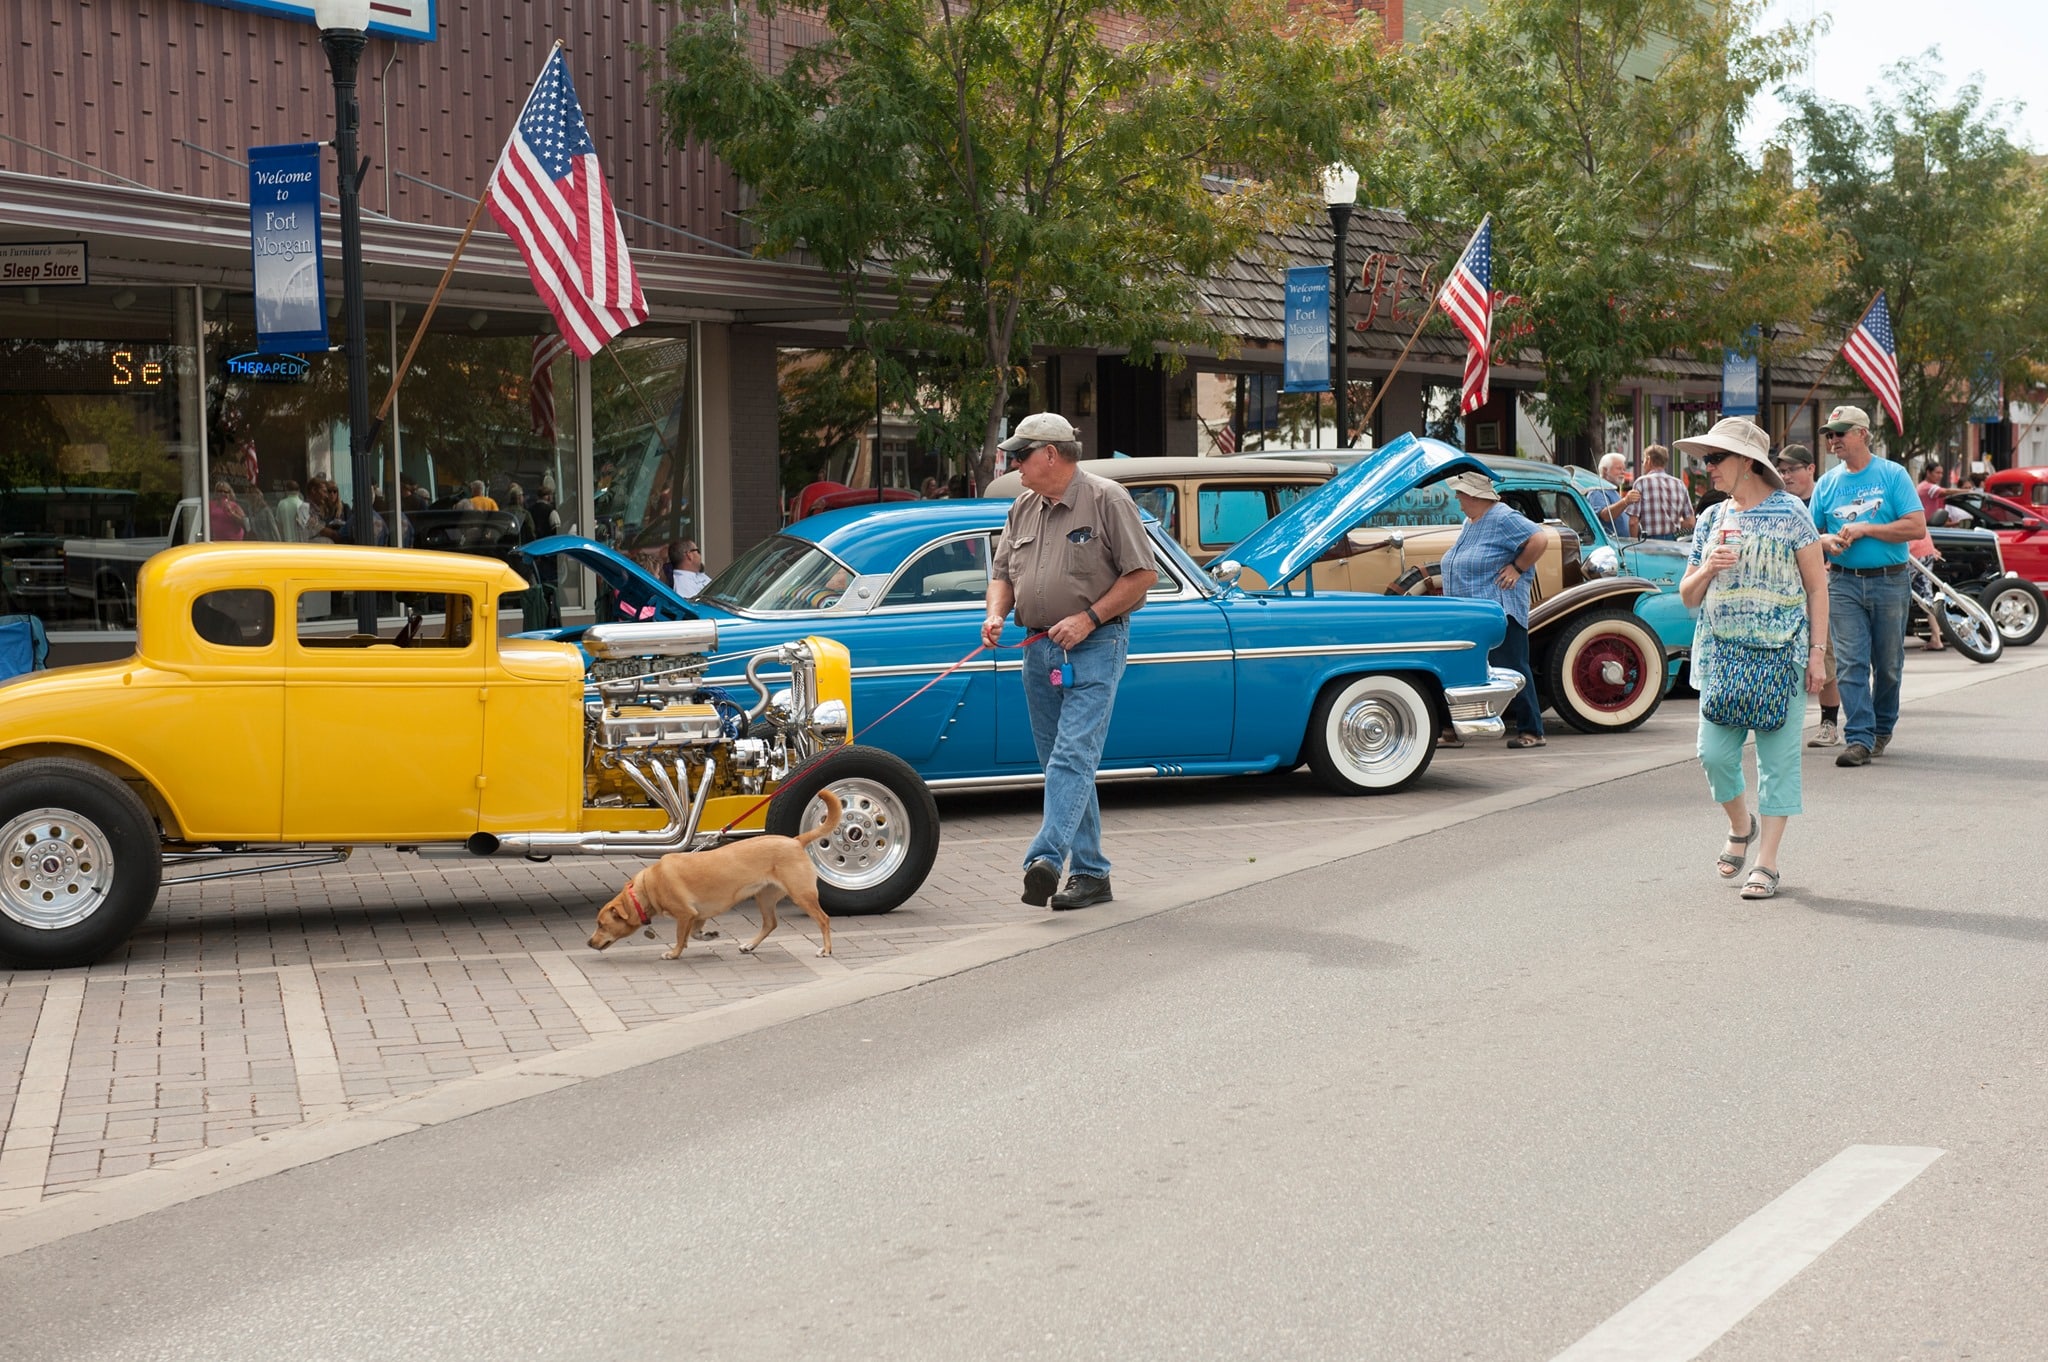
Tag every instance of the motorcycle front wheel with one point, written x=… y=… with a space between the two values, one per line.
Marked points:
x=1968 y=629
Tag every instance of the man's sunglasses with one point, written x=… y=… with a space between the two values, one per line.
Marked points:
x=1834 y=435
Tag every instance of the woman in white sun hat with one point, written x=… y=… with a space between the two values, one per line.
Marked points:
x=1492 y=558
x=1759 y=582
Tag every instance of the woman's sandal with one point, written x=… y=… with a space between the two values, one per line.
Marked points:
x=1449 y=739
x=1733 y=861
x=1763 y=884
x=1522 y=740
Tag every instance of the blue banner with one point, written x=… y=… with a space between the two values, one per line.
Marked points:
x=284 y=243
x=1307 y=368
x=1738 y=384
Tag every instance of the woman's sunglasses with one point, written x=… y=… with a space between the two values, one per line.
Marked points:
x=1716 y=460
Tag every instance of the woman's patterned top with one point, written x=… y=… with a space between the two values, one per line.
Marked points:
x=1761 y=601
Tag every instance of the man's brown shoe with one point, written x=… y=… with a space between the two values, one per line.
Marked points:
x=1855 y=754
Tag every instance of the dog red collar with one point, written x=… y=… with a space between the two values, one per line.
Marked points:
x=634 y=899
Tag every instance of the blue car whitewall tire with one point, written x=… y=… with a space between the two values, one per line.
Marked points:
x=1371 y=734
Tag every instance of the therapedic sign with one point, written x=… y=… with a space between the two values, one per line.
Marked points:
x=413 y=19
x=268 y=368
x=284 y=243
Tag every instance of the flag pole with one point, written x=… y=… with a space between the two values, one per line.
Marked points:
x=1793 y=419
x=1365 y=421
x=447 y=273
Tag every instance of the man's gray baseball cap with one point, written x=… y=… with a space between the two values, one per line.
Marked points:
x=1039 y=428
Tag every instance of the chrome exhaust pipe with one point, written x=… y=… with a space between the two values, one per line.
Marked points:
x=678 y=834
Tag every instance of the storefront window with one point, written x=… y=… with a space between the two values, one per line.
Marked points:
x=100 y=408
x=480 y=443
x=644 y=480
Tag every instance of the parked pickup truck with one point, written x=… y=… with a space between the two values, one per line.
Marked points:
x=99 y=574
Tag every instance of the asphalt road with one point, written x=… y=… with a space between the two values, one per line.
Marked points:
x=1468 y=1096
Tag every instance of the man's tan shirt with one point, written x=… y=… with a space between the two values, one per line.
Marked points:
x=1063 y=556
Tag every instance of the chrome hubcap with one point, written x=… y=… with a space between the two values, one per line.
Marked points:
x=1374 y=732
x=2014 y=613
x=872 y=840
x=59 y=867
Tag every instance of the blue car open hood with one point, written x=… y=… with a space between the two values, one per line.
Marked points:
x=1285 y=546
x=624 y=576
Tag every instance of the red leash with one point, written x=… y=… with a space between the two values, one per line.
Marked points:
x=750 y=810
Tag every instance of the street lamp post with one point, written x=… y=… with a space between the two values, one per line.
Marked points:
x=1340 y=192
x=344 y=32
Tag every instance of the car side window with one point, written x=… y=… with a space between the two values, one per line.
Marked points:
x=1564 y=506
x=1162 y=502
x=1229 y=514
x=1165 y=584
x=1989 y=513
x=242 y=618
x=952 y=573
x=405 y=619
x=1284 y=497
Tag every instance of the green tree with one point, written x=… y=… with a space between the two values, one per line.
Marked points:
x=1602 y=136
x=989 y=176
x=1950 y=219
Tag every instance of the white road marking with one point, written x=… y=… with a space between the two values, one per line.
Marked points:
x=1681 y=1316
x=32 y=1127
x=305 y=1026
x=575 y=987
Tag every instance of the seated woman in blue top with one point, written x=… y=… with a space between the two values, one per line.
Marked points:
x=1496 y=550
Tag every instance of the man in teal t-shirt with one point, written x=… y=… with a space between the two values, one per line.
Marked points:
x=1867 y=511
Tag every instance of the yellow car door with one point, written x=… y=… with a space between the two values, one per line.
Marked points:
x=383 y=731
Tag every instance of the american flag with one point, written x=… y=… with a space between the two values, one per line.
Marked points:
x=1226 y=439
x=548 y=193
x=1874 y=355
x=1467 y=299
x=540 y=383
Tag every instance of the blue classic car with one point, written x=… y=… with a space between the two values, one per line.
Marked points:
x=1222 y=681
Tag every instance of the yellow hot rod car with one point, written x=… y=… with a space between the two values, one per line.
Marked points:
x=287 y=702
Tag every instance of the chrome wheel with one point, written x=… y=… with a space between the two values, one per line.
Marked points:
x=2016 y=612
x=59 y=867
x=1377 y=732
x=872 y=840
x=1370 y=735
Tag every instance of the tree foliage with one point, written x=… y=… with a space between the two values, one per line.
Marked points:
x=1602 y=136
x=1950 y=219
x=989 y=176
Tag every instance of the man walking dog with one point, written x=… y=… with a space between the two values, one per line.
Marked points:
x=1074 y=562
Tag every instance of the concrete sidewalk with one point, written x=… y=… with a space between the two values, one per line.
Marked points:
x=252 y=1007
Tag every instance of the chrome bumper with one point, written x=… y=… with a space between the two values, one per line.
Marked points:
x=1476 y=710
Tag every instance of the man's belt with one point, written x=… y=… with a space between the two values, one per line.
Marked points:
x=1894 y=570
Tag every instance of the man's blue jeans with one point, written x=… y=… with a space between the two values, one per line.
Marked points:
x=1069 y=725
x=1867 y=625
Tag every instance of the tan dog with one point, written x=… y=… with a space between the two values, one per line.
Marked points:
x=694 y=887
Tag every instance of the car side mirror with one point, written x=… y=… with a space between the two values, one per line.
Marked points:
x=2032 y=522
x=1226 y=572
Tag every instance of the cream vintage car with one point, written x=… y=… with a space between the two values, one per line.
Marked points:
x=258 y=726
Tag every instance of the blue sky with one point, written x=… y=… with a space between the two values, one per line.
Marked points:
x=2003 y=41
